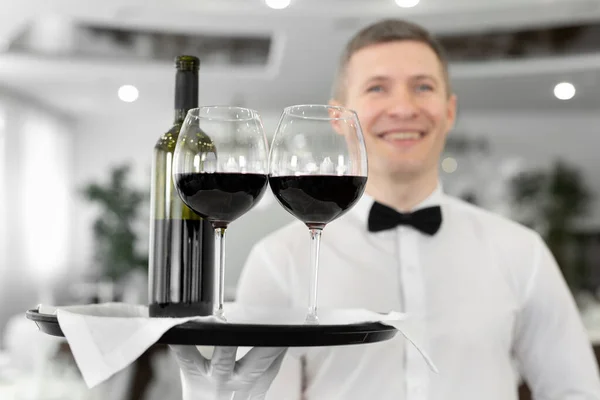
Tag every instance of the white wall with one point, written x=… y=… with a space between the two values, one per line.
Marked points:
x=36 y=161
x=104 y=142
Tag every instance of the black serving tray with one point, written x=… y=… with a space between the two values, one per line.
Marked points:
x=247 y=335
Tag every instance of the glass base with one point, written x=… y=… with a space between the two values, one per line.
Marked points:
x=311 y=319
x=220 y=314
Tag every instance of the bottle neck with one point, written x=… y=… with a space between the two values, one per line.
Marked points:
x=180 y=115
x=186 y=93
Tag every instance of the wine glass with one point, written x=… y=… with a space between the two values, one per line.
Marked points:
x=317 y=171
x=220 y=171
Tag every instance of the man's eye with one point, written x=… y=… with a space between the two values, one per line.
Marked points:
x=375 y=88
x=424 y=87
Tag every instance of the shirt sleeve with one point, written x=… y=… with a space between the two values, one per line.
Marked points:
x=264 y=281
x=551 y=342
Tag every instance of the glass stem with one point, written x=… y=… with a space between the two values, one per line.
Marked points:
x=315 y=244
x=220 y=250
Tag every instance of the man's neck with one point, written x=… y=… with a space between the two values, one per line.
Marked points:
x=402 y=195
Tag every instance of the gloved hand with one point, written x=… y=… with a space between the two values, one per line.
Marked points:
x=222 y=378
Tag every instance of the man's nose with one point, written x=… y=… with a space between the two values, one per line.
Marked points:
x=402 y=104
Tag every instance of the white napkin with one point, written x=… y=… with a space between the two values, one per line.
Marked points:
x=105 y=338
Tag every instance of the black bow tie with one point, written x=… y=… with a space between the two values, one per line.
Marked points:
x=427 y=220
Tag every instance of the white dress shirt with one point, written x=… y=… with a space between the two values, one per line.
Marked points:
x=491 y=295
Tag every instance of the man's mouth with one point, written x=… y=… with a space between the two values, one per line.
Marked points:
x=402 y=136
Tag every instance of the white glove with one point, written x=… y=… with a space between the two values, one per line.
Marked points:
x=222 y=378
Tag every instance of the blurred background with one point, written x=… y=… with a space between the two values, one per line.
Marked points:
x=86 y=89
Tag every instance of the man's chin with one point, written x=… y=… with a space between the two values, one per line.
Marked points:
x=408 y=170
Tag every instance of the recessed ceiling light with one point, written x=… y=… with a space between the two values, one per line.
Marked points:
x=278 y=4
x=128 y=93
x=564 y=91
x=407 y=3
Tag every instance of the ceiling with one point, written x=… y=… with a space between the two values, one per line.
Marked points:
x=306 y=39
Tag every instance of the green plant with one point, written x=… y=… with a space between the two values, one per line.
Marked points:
x=114 y=235
x=551 y=201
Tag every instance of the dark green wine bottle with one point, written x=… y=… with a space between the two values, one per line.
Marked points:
x=181 y=267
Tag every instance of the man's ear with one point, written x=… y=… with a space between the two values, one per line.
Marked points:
x=335 y=103
x=335 y=123
x=452 y=111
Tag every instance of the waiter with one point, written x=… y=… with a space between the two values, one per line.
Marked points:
x=493 y=300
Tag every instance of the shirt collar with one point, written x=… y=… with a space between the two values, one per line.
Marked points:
x=362 y=208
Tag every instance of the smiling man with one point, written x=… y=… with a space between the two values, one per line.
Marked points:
x=401 y=92
x=489 y=293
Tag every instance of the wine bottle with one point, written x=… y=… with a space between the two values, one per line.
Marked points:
x=181 y=259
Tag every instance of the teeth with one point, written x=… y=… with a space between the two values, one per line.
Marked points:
x=403 y=135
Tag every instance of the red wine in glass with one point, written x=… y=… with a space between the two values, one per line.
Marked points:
x=317 y=200
x=220 y=197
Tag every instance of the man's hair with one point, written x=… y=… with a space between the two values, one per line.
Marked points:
x=385 y=31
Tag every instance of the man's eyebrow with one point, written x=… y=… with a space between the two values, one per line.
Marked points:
x=377 y=78
x=413 y=77
x=424 y=76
